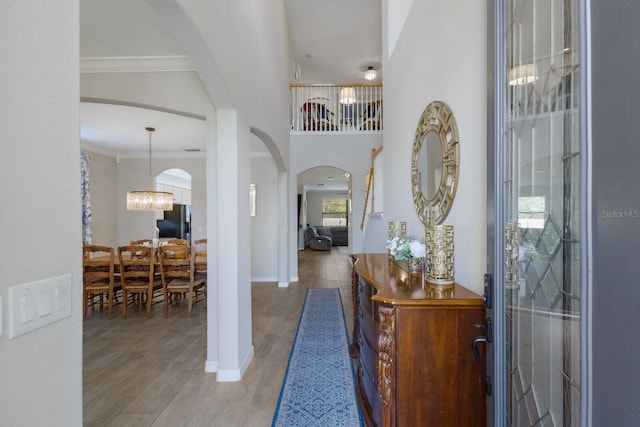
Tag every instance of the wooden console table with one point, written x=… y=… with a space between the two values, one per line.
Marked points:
x=412 y=346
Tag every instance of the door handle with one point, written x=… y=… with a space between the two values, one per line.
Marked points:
x=476 y=352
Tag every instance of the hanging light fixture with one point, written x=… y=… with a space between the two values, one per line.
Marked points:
x=347 y=95
x=149 y=200
x=370 y=74
x=523 y=75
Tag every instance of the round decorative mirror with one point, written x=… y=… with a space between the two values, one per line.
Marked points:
x=435 y=162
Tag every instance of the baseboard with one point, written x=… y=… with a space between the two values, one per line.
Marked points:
x=295 y=279
x=264 y=279
x=211 y=366
x=231 y=375
x=283 y=284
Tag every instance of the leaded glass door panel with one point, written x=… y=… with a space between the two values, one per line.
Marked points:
x=540 y=211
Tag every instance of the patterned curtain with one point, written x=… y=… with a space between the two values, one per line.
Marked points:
x=86 y=199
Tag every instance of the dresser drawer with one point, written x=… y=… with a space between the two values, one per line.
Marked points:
x=369 y=358
x=365 y=292
x=366 y=323
x=368 y=372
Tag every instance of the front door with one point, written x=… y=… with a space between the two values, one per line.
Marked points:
x=537 y=262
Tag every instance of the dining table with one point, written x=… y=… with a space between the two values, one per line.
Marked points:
x=200 y=262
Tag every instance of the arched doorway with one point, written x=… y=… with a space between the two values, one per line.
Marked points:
x=324 y=200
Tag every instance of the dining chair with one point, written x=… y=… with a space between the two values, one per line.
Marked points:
x=201 y=246
x=177 y=269
x=183 y=242
x=141 y=242
x=137 y=276
x=98 y=265
x=201 y=266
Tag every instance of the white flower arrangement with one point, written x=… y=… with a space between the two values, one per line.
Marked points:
x=405 y=247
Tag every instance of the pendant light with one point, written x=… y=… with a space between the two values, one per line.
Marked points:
x=347 y=96
x=149 y=200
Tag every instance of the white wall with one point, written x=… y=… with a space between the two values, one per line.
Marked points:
x=41 y=371
x=351 y=153
x=248 y=35
x=440 y=55
x=264 y=226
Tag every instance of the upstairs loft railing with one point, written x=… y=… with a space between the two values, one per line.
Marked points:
x=336 y=108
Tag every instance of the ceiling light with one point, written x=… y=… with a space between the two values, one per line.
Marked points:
x=149 y=200
x=370 y=74
x=523 y=74
x=347 y=95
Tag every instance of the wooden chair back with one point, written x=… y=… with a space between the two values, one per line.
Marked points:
x=177 y=268
x=136 y=274
x=141 y=242
x=176 y=262
x=201 y=246
x=136 y=263
x=183 y=242
x=98 y=267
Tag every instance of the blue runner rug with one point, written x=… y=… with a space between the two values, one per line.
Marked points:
x=318 y=388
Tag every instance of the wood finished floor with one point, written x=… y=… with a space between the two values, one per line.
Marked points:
x=150 y=372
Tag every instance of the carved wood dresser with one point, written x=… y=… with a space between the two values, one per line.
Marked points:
x=412 y=348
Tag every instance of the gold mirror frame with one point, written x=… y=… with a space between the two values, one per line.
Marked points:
x=438 y=118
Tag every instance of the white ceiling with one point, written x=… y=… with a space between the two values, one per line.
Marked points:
x=323 y=178
x=119 y=131
x=334 y=42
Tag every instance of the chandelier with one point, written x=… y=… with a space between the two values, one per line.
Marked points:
x=149 y=200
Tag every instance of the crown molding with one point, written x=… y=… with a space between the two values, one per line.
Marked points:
x=135 y=64
x=132 y=155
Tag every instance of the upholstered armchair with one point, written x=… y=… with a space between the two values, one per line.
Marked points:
x=316 y=116
x=372 y=116
x=317 y=241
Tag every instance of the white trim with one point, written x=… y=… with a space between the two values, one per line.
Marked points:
x=232 y=375
x=229 y=375
x=264 y=279
x=283 y=284
x=99 y=149
x=295 y=279
x=211 y=366
x=133 y=64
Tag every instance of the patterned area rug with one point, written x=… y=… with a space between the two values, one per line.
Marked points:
x=318 y=387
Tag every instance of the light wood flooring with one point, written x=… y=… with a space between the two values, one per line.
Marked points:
x=150 y=372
